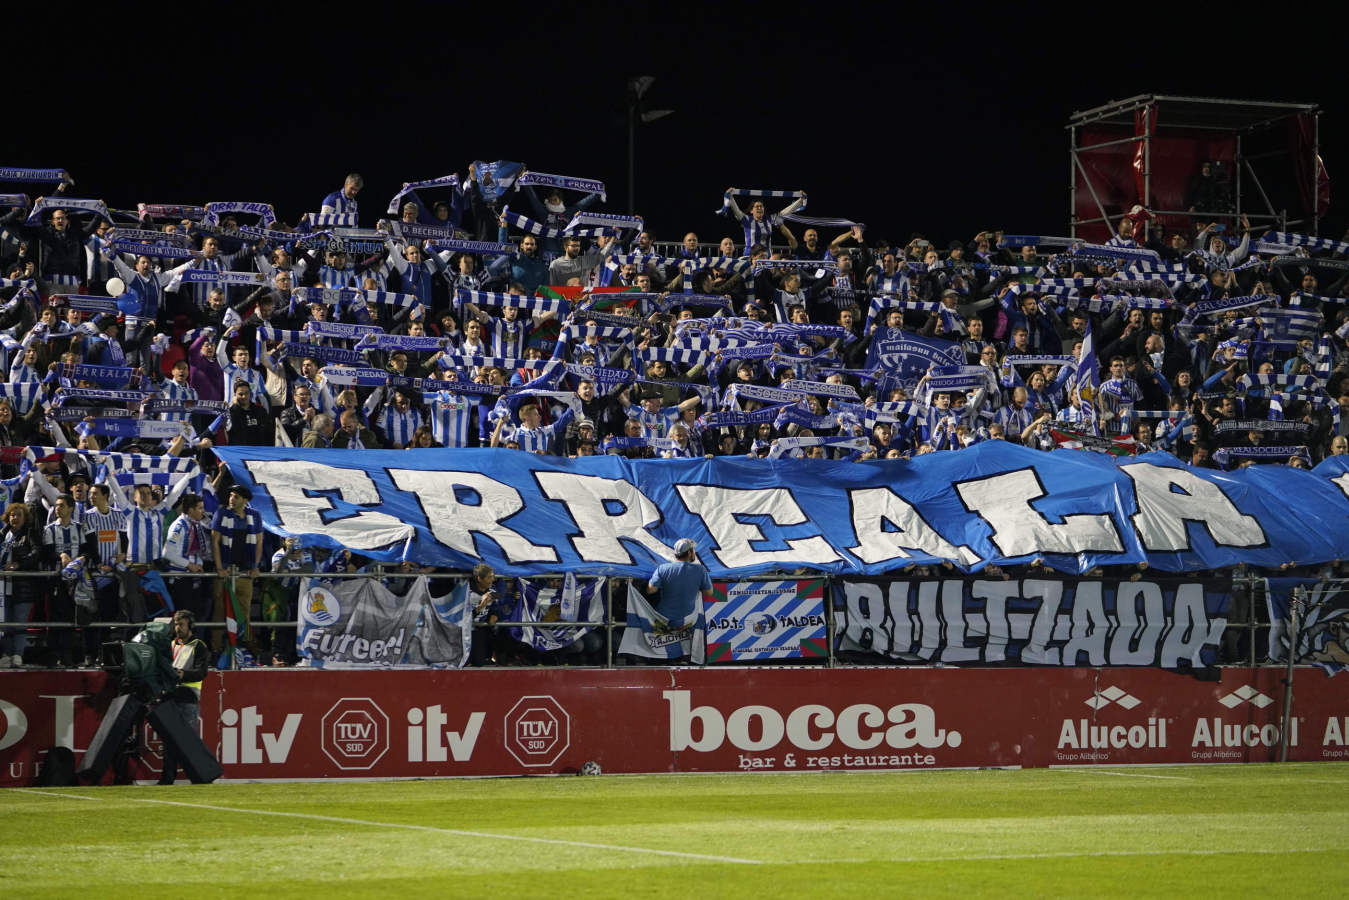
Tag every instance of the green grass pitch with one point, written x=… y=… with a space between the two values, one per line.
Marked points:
x=1240 y=830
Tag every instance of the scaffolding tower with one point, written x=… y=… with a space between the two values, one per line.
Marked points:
x=1115 y=157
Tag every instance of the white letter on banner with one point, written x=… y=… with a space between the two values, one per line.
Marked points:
x=1090 y=626
x=718 y=508
x=1190 y=628
x=956 y=631
x=865 y=606
x=995 y=595
x=1004 y=501
x=1163 y=512
x=585 y=496
x=872 y=507
x=292 y=485
x=1342 y=483
x=454 y=523
x=929 y=633
x=1036 y=648
x=1134 y=643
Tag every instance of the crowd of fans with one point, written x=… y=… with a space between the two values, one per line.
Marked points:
x=461 y=323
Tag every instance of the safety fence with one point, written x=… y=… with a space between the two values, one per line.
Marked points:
x=1028 y=617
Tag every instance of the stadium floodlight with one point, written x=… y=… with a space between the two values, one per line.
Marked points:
x=637 y=87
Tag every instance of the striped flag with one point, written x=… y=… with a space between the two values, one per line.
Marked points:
x=570 y=603
x=1087 y=380
x=650 y=634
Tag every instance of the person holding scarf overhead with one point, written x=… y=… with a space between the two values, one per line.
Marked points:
x=758 y=225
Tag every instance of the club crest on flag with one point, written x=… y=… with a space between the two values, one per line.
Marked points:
x=320 y=607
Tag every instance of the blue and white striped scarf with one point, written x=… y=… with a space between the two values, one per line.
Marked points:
x=1297 y=298
x=339 y=330
x=402 y=342
x=80 y=413
x=359 y=376
x=321 y=352
x=1288 y=239
x=584 y=185
x=643 y=259
x=266 y=215
x=208 y=276
x=387 y=298
x=1224 y=304
x=396 y=203
x=528 y=225
x=150 y=236
x=735 y=417
x=18 y=173
x=486 y=248
x=751 y=192
x=328 y=220
x=87 y=303
x=587 y=222
x=170 y=211
x=413 y=231
x=690 y=299
x=69 y=204
x=821 y=265
x=154 y=251
x=601 y=374
x=433 y=386
x=158 y=405
x=603 y=332
x=1035 y=240
x=71 y=393
x=737 y=265
x=106 y=376
x=675 y=355
x=536 y=305
x=783 y=445
x=146 y=428
x=1115 y=251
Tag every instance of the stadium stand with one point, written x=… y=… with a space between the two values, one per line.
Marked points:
x=461 y=321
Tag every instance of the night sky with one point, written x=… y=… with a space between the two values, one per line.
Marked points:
x=944 y=125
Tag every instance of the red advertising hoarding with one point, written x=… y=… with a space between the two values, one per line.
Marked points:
x=294 y=724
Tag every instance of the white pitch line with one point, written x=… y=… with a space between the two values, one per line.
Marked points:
x=981 y=857
x=52 y=794
x=1087 y=771
x=429 y=828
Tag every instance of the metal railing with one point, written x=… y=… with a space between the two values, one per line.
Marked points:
x=1245 y=641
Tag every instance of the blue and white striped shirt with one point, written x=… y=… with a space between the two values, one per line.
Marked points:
x=398 y=426
x=450 y=418
x=145 y=534
x=108 y=526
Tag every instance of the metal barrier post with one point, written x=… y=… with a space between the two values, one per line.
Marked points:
x=609 y=624
x=1294 y=606
x=829 y=634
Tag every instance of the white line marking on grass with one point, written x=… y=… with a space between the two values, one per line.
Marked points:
x=429 y=828
x=1087 y=771
x=53 y=794
x=981 y=857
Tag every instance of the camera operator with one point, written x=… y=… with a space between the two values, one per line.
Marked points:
x=190 y=657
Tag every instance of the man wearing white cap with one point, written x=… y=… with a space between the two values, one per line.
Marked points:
x=680 y=584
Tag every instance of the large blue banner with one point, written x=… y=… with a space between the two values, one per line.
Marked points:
x=994 y=503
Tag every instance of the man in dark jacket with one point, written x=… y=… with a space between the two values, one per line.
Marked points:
x=249 y=424
x=190 y=658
